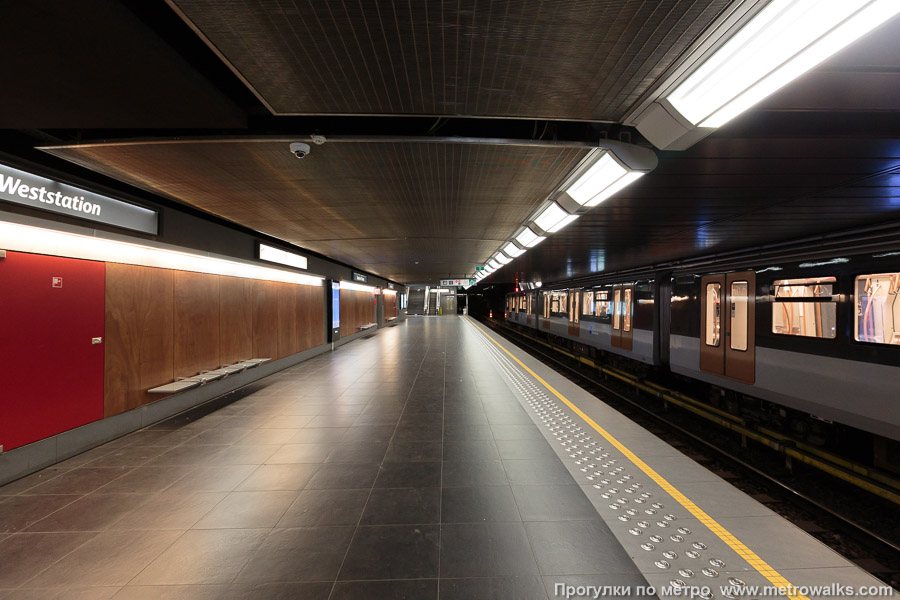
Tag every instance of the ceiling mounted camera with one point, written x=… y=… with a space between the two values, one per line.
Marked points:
x=299 y=149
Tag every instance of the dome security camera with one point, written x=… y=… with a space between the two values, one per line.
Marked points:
x=299 y=149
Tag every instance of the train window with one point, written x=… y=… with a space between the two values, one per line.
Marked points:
x=588 y=304
x=546 y=305
x=739 y=321
x=617 y=298
x=878 y=309
x=713 y=313
x=805 y=307
x=626 y=312
x=529 y=305
x=603 y=308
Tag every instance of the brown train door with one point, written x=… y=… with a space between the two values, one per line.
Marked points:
x=529 y=307
x=574 y=312
x=623 y=317
x=728 y=325
x=545 y=310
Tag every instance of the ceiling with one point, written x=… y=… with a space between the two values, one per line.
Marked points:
x=197 y=101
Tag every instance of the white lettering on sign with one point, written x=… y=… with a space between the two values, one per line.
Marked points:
x=56 y=282
x=13 y=186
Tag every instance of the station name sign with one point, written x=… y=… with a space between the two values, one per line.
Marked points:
x=456 y=282
x=360 y=278
x=39 y=192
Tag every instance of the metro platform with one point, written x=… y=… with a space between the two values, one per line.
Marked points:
x=428 y=461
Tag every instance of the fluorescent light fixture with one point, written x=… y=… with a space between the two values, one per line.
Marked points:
x=784 y=40
x=389 y=292
x=529 y=238
x=605 y=177
x=513 y=250
x=489 y=268
x=37 y=240
x=282 y=257
x=563 y=223
x=502 y=258
x=495 y=264
x=551 y=216
x=358 y=287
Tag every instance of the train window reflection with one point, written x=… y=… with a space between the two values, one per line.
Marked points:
x=877 y=308
x=713 y=313
x=805 y=307
x=588 y=304
x=617 y=298
x=739 y=321
x=626 y=312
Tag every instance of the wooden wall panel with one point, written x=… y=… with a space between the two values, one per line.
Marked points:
x=265 y=319
x=196 y=332
x=288 y=334
x=357 y=308
x=138 y=335
x=235 y=320
x=390 y=306
x=311 y=317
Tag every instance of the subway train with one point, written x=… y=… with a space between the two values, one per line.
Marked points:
x=808 y=341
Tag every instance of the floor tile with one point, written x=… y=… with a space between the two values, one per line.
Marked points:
x=486 y=550
x=413 y=451
x=372 y=452
x=296 y=555
x=478 y=504
x=83 y=480
x=94 y=512
x=397 y=506
x=280 y=591
x=212 y=479
x=577 y=548
x=494 y=588
x=314 y=508
x=203 y=557
x=537 y=472
x=416 y=589
x=281 y=477
x=19 y=512
x=474 y=450
x=461 y=433
x=24 y=555
x=474 y=473
x=392 y=552
x=144 y=480
x=409 y=474
x=553 y=503
x=112 y=558
x=343 y=476
x=300 y=453
x=247 y=510
x=169 y=511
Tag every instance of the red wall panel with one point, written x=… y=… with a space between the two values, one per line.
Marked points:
x=52 y=374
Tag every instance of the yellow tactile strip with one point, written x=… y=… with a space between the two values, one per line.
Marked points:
x=761 y=566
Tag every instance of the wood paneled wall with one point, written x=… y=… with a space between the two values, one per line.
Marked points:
x=162 y=324
x=390 y=306
x=357 y=309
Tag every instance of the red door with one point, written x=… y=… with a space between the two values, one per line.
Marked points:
x=51 y=308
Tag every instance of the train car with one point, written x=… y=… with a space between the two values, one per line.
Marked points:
x=614 y=317
x=820 y=336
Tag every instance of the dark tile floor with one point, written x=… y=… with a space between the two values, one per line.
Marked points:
x=400 y=466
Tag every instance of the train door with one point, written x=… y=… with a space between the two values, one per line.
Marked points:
x=545 y=310
x=623 y=317
x=529 y=308
x=728 y=325
x=574 y=311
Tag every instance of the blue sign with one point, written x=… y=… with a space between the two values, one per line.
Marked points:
x=335 y=305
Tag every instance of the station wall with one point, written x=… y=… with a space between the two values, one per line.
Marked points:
x=357 y=309
x=156 y=325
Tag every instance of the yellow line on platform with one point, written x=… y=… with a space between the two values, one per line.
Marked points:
x=763 y=568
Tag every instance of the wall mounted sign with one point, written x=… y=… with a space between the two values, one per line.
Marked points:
x=455 y=282
x=39 y=192
x=360 y=278
x=282 y=257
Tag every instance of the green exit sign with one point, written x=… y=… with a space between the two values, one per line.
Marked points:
x=471 y=282
x=479 y=268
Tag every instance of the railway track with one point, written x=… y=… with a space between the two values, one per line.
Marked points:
x=848 y=521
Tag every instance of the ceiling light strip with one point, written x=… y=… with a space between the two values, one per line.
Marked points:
x=38 y=240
